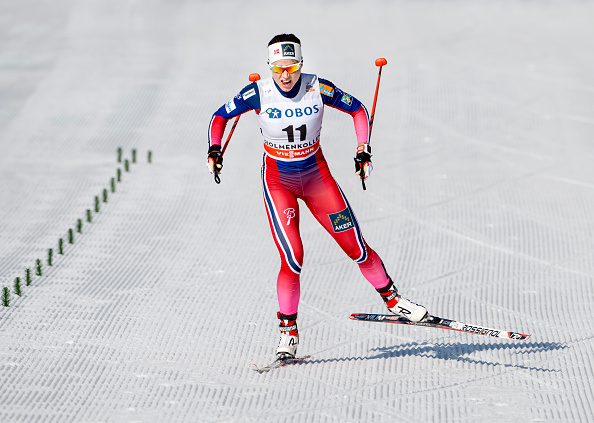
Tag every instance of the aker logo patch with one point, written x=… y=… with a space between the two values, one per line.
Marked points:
x=342 y=221
x=288 y=50
x=326 y=90
x=273 y=113
x=347 y=99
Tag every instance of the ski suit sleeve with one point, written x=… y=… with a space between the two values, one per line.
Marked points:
x=338 y=99
x=247 y=99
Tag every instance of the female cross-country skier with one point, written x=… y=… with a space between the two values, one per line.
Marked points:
x=290 y=106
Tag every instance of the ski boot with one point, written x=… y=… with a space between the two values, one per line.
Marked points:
x=289 y=336
x=401 y=306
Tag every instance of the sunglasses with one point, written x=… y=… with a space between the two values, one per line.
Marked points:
x=289 y=68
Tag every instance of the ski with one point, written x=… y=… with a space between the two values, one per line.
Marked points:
x=438 y=322
x=279 y=362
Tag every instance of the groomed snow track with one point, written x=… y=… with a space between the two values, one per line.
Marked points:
x=480 y=206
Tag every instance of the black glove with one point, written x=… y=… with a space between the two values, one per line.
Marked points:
x=215 y=161
x=363 y=166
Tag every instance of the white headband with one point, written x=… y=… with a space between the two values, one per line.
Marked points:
x=284 y=50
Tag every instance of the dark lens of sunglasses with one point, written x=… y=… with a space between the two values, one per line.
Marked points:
x=291 y=68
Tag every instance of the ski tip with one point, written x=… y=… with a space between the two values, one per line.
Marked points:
x=264 y=369
x=279 y=362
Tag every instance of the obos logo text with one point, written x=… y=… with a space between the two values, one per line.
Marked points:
x=274 y=113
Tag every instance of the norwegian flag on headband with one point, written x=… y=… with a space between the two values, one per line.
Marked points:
x=276 y=51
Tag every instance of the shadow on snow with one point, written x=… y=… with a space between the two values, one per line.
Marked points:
x=455 y=351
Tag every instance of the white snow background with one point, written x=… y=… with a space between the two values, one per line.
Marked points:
x=481 y=206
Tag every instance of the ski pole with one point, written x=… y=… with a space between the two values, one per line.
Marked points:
x=380 y=63
x=253 y=78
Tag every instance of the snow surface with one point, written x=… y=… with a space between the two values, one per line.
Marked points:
x=480 y=205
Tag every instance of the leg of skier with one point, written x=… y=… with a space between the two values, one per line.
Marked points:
x=283 y=216
x=328 y=204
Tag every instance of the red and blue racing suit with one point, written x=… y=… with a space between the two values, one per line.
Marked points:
x=296 y=169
